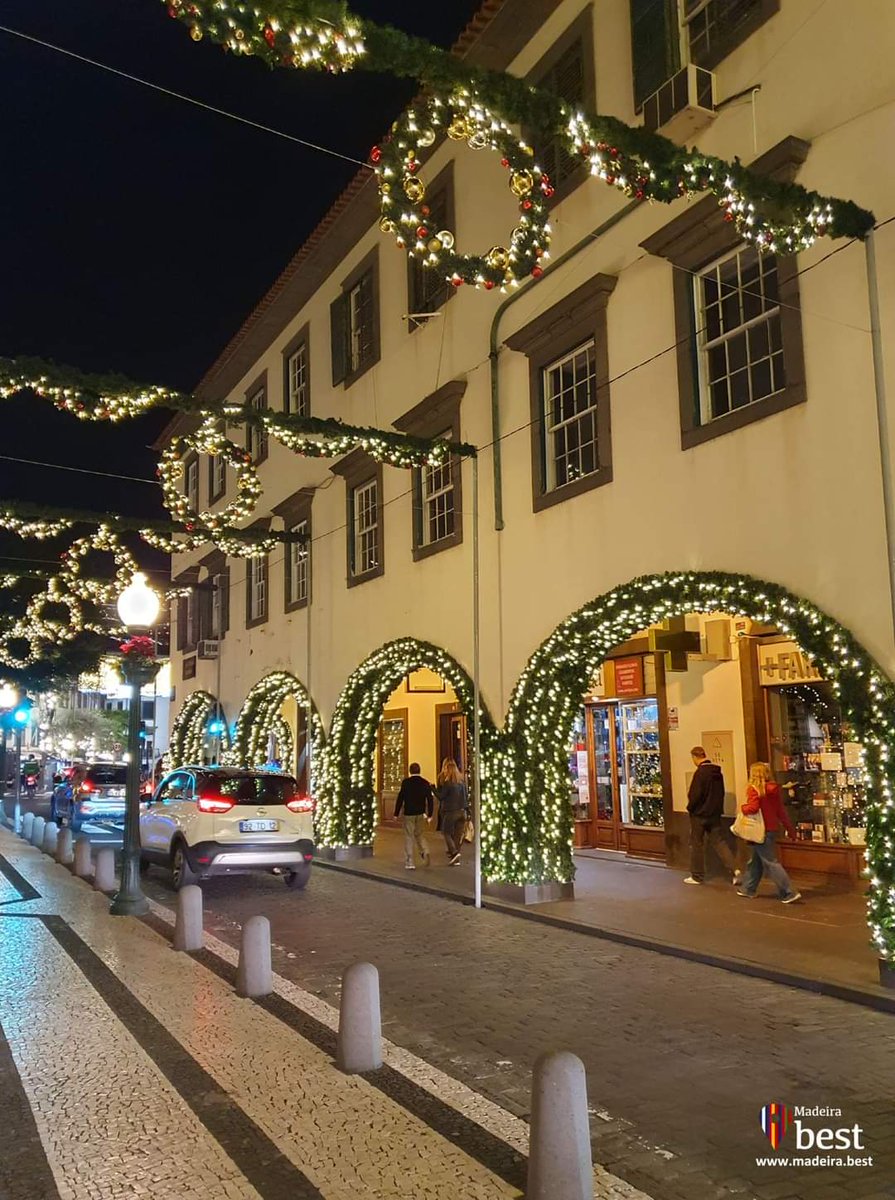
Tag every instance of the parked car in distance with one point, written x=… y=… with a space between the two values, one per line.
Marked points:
x=93 y=792
x=205 y=821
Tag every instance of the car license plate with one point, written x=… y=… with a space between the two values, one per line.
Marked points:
x=115 y=793
x=258 y=826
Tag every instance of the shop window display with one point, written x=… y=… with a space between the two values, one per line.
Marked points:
x=641 y=792
x=818 y=764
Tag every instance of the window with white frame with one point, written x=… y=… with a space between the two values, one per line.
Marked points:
x=192 y=484
x=570 y=417
x=297 y=381
x=739 y=333
x=256 y=436
x=298 y=565
x=714 y=27
x=436 y=490
x=365 y=528
x=257 y=590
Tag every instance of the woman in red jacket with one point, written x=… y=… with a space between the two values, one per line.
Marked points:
x=763 y=794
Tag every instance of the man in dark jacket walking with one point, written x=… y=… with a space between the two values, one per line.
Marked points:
x=417 y=802
x=705 y=804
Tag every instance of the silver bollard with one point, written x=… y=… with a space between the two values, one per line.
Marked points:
x=51 y=835
x=27 y=826
x=360 y=1025
x=37 y=832
x=17 y=820
x=254 y=974
x=104 y=870
x=188 y=922
x=83 y=858
x=64 y=844
x=560 y=1166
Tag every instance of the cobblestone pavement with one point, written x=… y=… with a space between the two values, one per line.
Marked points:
x=129 y=1070
x=680 y=1056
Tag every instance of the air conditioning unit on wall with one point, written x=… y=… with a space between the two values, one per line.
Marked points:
x=208 y=648
x=683 y=106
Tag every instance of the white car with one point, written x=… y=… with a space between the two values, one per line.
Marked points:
x=204 y=821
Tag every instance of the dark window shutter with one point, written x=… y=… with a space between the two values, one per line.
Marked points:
x=565 y=79
x=181 y=623
x=338 y=315
x=225 y=601
x=655 y=50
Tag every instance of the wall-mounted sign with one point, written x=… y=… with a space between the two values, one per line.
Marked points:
x=783 y=662
x=628 y=676
x=674 y=720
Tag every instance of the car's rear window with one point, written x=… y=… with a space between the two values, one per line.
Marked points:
x=251 y=789
x=107 y=775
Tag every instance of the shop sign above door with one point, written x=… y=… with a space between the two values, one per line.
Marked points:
x=783 y=662
x=628 y=677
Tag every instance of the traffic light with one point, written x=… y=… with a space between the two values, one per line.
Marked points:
x=21 y=714
x=143 y=733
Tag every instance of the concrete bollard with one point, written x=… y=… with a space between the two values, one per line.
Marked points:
x=188 y=922
x=37 y=832
x=360 y=1025
x=27 y=826
x=83 y=858
x=560 y=1166
x=64 y=843
x=254 y=975
x=104 y=870
x=51 y=835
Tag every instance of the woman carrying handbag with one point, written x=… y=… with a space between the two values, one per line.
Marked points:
x=763 y=804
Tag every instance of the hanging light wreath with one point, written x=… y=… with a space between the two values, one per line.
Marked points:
x=402 y=192
x=209 y=439
x=50 y=629
x=315 y=33
x=99 y=591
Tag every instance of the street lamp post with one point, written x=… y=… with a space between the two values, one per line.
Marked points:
x=138 y=608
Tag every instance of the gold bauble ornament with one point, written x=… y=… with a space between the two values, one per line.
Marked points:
x=521 y=183
x=240 y=35
x=459 y=129
x=479 y=140
x=386 y=225
x=414 y=189
x=196 y=33
x=498 y=257
x=385 y=187
x=434 y=245
x=426 y=137
x=446 y=238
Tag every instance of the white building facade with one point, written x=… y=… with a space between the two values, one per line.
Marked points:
x=663 y=405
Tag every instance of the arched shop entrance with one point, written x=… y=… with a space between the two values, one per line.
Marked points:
x=272 y=728
x=200 y=733
x=409 y=701
x=608 y=707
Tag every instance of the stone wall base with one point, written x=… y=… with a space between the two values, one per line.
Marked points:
x=530 y=893
x=345 y=853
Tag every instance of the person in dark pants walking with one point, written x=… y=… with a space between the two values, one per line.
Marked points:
x=416 y=801
x=453 y=808
x=705 y=804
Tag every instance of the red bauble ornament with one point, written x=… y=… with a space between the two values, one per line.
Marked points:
x=537 y=272
x=549 y=190
x=456 y=280
x=639 y=193
x=610 y=179
x=412 y=165
x=489 y=284
x=504 y=162
x=269 y=36
x=376 y=154
x=728 y=216
x=422 y=232
x=172 y=11
x=425 y=210
x=526 y=204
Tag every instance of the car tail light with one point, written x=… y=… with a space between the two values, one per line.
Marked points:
x=300 y=804
x=214 y=804
x=86 y=787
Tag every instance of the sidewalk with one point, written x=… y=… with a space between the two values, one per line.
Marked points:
x=821 y=943
x=131 y=1070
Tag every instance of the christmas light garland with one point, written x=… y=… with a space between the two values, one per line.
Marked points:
x=527 y=818
x=644 y=165
x=319 y=34
x=402 y=192
x=99 y=591
x=210 y=440
x=259 y=716
x=346 y=797
x=189 y=730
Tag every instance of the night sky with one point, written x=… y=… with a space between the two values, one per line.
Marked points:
x=138 y=231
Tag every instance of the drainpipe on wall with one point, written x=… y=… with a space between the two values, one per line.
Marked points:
x=882 y=416
x=494 y=347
